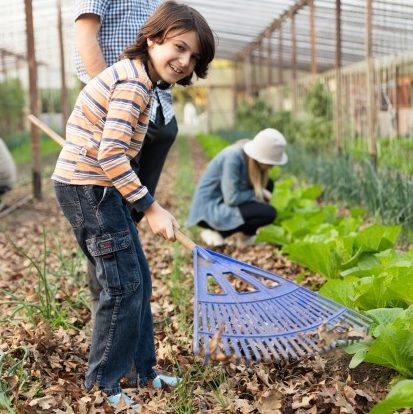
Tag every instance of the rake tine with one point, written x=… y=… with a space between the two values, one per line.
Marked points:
x=222 y=322
x=245 y=321
x=332 y=312
x=287 y=318
x=214 y=327
x=302 y=343
x=292 y=341
x=281 y=349
x=235 y=346
x=308 y=307
x=288 y=347
x=314 y=346
x=245 y=329
x=361 y=322
x=254 y=345
x=227 y=321
x=260 y=347
x=323 y=304
x=300 y=310
x=274 y=322
x=273 y=351
x=311 y=348
x=204 y=319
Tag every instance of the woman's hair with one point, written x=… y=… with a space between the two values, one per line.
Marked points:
x=258 y=176
x=171 y=16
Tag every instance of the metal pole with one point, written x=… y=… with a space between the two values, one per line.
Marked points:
x=337 y=123
x=63 y=96
x=396 y=98
x=371 y=101
x=34 y=109
x=269 y=51
x=4 y=64
x=236 y=69
x=260 y=64
x=280 y=55
x=294 y=64
x=313 y=40
x=253 y=73
x=247 y=75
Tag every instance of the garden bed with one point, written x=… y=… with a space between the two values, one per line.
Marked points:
x=44 y=347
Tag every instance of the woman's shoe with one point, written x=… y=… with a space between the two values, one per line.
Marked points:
x=170 y=380
x=245 y=240
x=121 y=400
x=212 y=238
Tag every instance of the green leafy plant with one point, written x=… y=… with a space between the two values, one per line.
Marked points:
x=211 y=144
x=318 y=101
x=392 y=343
x=254 y=116
x=386 y=195
x=401 y=396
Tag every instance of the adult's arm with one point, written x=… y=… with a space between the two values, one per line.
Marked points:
x=87 y=27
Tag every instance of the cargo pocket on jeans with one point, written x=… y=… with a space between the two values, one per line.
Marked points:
x=117 y=265
x=68 y=200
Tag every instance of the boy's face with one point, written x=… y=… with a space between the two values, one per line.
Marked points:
x=173 y=59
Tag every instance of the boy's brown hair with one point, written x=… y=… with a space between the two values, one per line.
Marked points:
x=171 y=16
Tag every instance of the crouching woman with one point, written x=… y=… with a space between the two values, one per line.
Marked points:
x=233 y=193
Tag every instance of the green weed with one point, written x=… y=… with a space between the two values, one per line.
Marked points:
x=45 y=303
x=12 y=367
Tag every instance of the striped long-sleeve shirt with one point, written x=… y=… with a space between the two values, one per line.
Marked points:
x=106 y=130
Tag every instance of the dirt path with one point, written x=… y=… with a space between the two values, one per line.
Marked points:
x=53 y=356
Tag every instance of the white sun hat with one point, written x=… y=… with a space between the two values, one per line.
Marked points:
x=267 y=147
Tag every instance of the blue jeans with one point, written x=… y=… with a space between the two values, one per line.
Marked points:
x=123 y=330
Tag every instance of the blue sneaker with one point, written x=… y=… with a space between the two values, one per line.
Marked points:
x=170 y=380
x=123 y=400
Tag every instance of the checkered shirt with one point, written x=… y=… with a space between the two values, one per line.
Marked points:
x=120 y=24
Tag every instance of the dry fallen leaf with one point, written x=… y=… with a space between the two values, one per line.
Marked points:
x=270 y=402
x=349 y=393
x=215 y=340
x=243 y=406
x=44 y=402
x=263 y=376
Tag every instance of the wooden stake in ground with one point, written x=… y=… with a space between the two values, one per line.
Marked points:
x=34 y=107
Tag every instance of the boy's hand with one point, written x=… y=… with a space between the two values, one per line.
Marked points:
x=161 y=221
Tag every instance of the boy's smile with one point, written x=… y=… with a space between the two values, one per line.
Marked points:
x=173 y=59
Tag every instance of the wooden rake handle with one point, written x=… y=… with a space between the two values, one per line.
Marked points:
x=48 y=131
x=184 y=239
x=181 y=237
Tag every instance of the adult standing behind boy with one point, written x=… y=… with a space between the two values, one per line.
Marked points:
x=104 y=28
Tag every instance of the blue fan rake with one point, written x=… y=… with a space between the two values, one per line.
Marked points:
x=281 y=321
x=271 y=318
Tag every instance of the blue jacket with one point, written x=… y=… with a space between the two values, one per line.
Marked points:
x=223 y=186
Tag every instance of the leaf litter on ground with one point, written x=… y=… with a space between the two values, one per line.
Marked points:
x=51 y=377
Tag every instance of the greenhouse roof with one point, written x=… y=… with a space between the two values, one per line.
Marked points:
x=240 y=27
